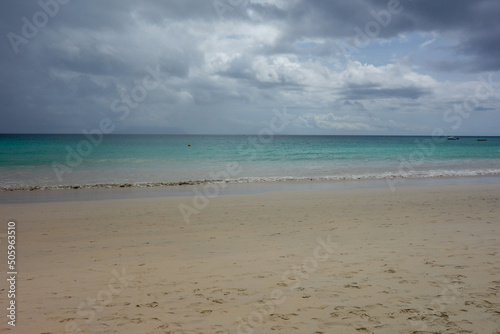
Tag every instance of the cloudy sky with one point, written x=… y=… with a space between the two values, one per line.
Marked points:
x=222 y=66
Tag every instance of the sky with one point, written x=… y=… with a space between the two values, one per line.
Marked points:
x=312 y=67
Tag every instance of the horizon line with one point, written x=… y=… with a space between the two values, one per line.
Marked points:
x=244 y=134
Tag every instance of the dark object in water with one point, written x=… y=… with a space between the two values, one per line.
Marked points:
x=482 y=140
x=453 y=138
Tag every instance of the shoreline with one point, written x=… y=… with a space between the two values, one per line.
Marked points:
x=189 y=189
x=420 y=259
x=261 y=179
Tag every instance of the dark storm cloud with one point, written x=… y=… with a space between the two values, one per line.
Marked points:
x=484 y=47
x=475 y=22
x=375 y=91
x=113 y=14
x=88 y=60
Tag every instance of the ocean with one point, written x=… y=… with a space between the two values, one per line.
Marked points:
x=31 y=162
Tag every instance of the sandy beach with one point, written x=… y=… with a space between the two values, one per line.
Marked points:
x=422 y=259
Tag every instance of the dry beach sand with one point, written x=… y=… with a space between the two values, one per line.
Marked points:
x=424 y=259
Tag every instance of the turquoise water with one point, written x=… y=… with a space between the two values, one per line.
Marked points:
x=32 y=161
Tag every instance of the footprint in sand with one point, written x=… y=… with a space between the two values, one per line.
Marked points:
x=152 y=304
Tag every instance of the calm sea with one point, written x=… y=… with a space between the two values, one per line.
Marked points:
x=59 y=161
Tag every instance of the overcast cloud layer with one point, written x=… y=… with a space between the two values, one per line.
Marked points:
x=204 y=66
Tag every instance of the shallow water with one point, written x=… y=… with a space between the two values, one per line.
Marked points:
x=71 y=161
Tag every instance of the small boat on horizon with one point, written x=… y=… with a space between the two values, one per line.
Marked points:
x=453 y=138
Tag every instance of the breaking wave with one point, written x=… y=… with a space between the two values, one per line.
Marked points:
x=350 y=177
